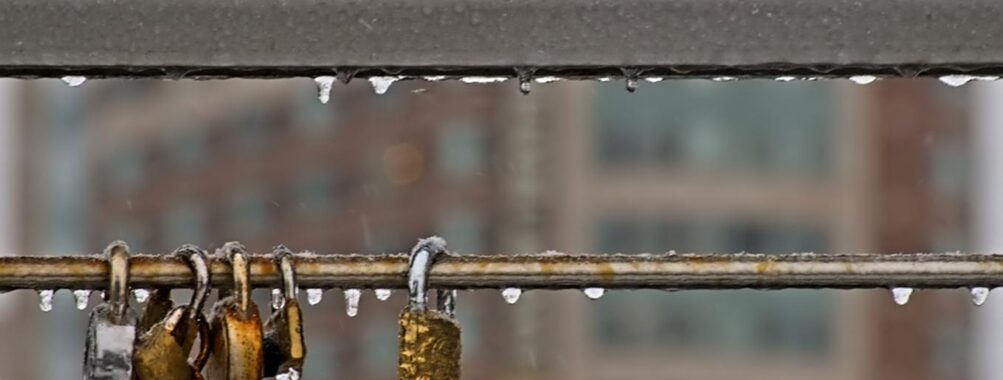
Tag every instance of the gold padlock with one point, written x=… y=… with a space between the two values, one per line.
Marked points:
x=235 y=327
x=429 y=340
x=284 y=346
x=162 y=352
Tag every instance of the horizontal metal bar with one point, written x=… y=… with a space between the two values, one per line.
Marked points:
x=183 y=38
x=540 y=271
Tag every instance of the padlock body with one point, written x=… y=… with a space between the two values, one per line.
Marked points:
x=162 y=352
x=236 y=342
x=284 y=345
x=109 y=350
x=429 y=347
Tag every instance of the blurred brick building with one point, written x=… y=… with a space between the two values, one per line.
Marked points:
x=682 y=165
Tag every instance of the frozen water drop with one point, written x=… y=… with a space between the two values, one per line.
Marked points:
x=141 y=295
x=511 y=295
x=45 y=300
x=292 y=374
x=382 y=84
x=278 y=299
x=785 y=79
x=594 y=293
x=352 y=301
x=631 y=84
x=525 y=86
x=723 y=79
x=434 y=78
x=82 y=297
x=483 y=80
x=654 y=79
x=324 y=85
x=383 y=294
x=863 y=79
x=604 y=79
x=901 y=295
x=979 y=296
x=74 y=80
x=313 y=296
x=956 y=80
x=546 y=79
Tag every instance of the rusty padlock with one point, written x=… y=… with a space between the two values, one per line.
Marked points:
x=429 y=339
x=111 y=331
x=284 y=346
x=162 y=351
x=235 y=327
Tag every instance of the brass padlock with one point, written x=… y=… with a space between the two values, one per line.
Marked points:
x=284 y=346
x=111 y=331
x=429 y=340
x=162 y=352
x=235 y=327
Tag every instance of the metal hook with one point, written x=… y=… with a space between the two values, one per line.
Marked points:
x=284 y=260
x=420 y=262
x=236 y=254
x=117 y=295
x=198 y=262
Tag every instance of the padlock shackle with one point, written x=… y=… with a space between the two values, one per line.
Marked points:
x=284 y=261
x=117 y=295
x=237 y=255
x=420 y=262
x=199 y=263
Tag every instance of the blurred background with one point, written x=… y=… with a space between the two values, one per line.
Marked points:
x=684 y=165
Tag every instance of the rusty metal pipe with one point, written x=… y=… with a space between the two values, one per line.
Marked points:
x=537 y=271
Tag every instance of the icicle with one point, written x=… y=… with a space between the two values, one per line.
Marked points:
x=324 y=85
x=979 y=295
x=141 y=295
x=382 y=84
x=863 y=79
x=74 y=80
x=594 y=293
x=383 y=294
x=278 y=299
x=82 y=297
x=352 y=301
x=901 y=295
x=511 y=295
x=314 y=296
x=45 y=299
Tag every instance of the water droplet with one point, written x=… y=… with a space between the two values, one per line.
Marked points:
x=324 y=85
x=594 y=293
x=604 y=79
x=352 y=301
x=483 y=80
x=314 y=296
x=979 y=296
x=292 y=374
x=961 y=80
x=511 y=295
x=654 y=79
x=141 y=295
x=863 y=79
x=723 y=79
x=434 y=78
x=631 y=84
x=278 y=299
x=525 y=86
x=785 y=79
x=74 y=80
x=383 y=294
x=82 y=297
x=546 y=79
x=45 y=300
x=382 y=84
x=901 y=295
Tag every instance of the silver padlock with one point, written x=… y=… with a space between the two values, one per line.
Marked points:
x=111 y=333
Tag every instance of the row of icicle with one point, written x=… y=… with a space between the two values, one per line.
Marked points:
x=381 y=84
x=900 y=295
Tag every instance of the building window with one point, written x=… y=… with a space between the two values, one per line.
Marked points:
x=248 y=212
x=185 y=223
x=793 y=322
x=700 y=125
x=464 y=230
x=313 y=116
x=460 y=150
x=126 y=169
x=314 y=192
x=188 y=147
